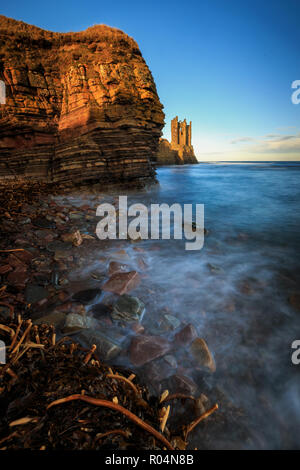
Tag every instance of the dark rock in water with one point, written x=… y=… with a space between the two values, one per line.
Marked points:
x=101 y=310
x=186 y=335
x=43 y=222
x=202 y=354
x=35 y=293
x=169 y=322
x=121 y=283
x=54 y=318
x=182 y=384
x=144 y=349
x=58 y=245
x=75 y=322
x=107 y=348
x=128 y=309
x=86 y=296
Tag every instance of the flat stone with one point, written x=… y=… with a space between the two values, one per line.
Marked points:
x=182 y=384
x=144 y=349
x=202 y=354
x=122 y=282
x=54 y=318
x=128 y=309
x=75 y=322
x=186 y=335
x=169 y=322
x=115 y=268
x=86 y=296
x=35 y=293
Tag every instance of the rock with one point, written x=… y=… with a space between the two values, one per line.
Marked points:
x=128 y=309
x=115 y=268
x=19 y=258
x=137 y=328
x=101 y=310
x=62 y=255
x=75 y=238
x=43 y=222
x=169 y=322
x=75 y=322
x=121 y=254
x=58 y=245
x=182 y=384
x=35 y=293
x=82 y=106
x=202 y=354
x=86 y=296
x=201 y=404
x=186 y=335
x=144 y=349
x=174 y=153
x=54 y=318
x=294 y=300
x=107 y=348
x=122 y=282
x=170 y=360
x=4 y=311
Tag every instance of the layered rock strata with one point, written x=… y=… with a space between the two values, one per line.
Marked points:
x=79 y=107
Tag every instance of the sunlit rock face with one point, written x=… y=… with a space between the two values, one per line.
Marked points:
x=79 y=106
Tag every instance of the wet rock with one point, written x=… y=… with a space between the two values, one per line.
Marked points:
x=59 y=246
x=122 y=282
x=35 y=293
x=75 y=322
x=294 y=300
x=201 y=404
x=86 y=296
x=43 y=222
x=186 y=335
x=55 y=318
x=121 y=254
x=170 y=360
x=137 y=328
x=75 y=238
x=182 y=384
x=202 y=354
x=144 y=349
x=128 y=309
x=169 y=322
x=115 y=268
x=62 y=255
x=101 y=310
x=107 y=348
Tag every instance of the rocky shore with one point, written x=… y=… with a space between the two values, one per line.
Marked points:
x=43 y=246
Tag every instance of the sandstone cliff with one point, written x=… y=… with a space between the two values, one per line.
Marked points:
x=79 y=106
x=166 y=155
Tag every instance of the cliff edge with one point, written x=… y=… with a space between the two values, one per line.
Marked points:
x=79 y=106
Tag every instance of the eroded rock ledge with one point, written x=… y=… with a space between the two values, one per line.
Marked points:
x=79 y=106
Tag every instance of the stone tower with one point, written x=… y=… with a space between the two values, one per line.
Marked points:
x=181 y=134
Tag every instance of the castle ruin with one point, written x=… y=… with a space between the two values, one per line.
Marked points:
x=180 y=150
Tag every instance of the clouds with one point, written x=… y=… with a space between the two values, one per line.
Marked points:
x=271 y=143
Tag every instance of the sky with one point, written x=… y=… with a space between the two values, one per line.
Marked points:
x=226 y=65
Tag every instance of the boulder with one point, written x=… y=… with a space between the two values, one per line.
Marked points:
x=144 y=349
x=121 y=283
x=202 y=354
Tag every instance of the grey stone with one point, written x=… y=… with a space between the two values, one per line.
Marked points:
x=75 y=322
x=107 y=348
x=128 y=309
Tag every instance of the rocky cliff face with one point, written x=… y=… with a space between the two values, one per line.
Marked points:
x=79 y=106
x=166 y=155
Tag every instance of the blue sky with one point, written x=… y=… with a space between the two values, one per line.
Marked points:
x=227 y=65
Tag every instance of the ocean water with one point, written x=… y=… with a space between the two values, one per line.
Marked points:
x=236 y=291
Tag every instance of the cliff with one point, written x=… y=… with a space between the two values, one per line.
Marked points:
x=79 y=106
x=167 y=155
